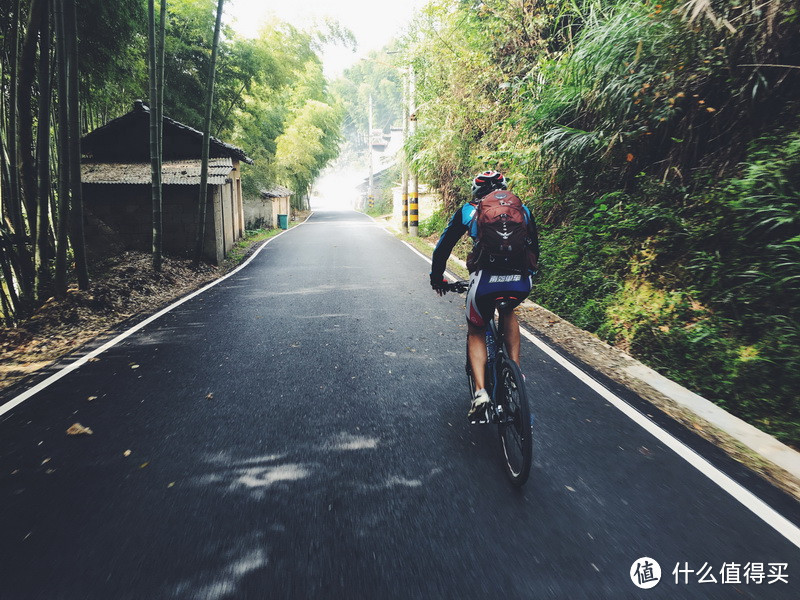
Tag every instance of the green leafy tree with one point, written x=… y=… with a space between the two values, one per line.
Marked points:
x=310 y=141
x=376 y=76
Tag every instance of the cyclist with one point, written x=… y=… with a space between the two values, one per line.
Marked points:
x=488 y=281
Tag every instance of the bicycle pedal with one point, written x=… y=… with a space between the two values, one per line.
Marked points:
x=480 y=419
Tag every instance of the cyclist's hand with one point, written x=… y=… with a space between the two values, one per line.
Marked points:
x=439 y=284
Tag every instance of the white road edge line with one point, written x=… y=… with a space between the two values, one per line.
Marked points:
x=757 y=506
x=17 y=400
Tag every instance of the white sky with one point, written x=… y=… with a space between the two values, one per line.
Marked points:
x=374 y=22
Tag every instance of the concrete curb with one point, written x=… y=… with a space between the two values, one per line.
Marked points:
x=759 y=442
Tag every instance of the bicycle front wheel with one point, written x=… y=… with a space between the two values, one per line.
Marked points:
x=515 y=424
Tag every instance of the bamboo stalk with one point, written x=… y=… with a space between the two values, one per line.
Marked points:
x=62 y=220
x=155 y=159
x=76 y=193
x=201 y=206
x=42 y=284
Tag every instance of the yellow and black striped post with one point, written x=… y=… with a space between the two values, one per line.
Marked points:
x=404 y=197
x=413 y=208
x=405 y=213
x=371 y=201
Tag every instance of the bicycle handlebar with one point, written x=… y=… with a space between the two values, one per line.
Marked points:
x=457 y=286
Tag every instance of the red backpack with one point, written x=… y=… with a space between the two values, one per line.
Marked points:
x=502 y=233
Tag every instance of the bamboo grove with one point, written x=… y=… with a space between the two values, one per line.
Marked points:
x=42 y=226
x=69 y=67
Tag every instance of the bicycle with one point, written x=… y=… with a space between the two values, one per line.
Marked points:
x=505 y=385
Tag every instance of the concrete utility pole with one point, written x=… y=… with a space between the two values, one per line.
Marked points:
x=371 y=193
x=413 y=201
x=404 y=184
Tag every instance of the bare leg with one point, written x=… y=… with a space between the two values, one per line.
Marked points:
x=512 y=337
x=476 y=353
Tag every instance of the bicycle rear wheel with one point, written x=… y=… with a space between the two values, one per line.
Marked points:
x=515 y=426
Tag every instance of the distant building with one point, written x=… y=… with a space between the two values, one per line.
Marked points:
x=116 y=188
x=264 y=212
x=385 y=148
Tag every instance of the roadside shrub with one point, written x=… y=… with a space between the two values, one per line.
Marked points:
x=434 y=224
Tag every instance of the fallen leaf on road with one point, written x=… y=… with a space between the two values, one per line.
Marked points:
x=90 y=398
x=209 y=396
x=93 y=359
x=571 y=489
x=171 y=484
x=126 y=453
x=45 y=461
x=143 y=465
x=78 y=429
x=134 y=366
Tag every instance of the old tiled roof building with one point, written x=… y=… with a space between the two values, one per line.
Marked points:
x=116 y=187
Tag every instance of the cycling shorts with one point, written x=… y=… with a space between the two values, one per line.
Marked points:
x=486 y=287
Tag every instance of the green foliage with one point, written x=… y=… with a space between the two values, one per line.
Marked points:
x=113 y=69
x=261 y=84
x=290 y=82
x=434 y=224
x=374 y=76
x=658 y=147
x=310 y=141
x=702 y=288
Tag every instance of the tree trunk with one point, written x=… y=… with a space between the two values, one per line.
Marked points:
x=160 y=50
x=6 y=264
x=201 y=207
x=15 y=209
x=76 y=208
x=155 y=146
x=21 y=256
x=27 y=72
x=43 y=246
x=62 y=215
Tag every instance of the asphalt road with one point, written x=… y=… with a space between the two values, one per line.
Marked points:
x=299 y=431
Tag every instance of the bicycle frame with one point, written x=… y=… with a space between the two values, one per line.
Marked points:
x=495 y=356
x=505 y=385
